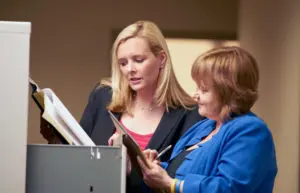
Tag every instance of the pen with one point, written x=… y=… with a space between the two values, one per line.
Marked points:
x=163 y=151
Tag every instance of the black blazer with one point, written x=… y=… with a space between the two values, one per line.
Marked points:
x=98 y=125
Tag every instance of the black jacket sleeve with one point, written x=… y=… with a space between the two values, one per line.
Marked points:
x=87 y=119
x=93 y=115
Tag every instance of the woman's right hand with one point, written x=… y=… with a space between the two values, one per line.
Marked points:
x=47 y=132
x=153 y=174
x=113 y=139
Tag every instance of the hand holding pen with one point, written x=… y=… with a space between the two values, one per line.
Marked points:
x=153 y=155
x=155 y=172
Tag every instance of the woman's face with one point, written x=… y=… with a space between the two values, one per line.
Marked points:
x=208 y=102
x=139 y=65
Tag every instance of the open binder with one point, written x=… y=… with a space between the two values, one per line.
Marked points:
x=56 y=114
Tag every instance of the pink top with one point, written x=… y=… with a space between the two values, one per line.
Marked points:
x=142 y=140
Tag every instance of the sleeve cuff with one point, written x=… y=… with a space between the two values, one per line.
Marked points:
x=192 y=183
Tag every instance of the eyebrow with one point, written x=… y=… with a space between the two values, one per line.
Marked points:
x=121 y=60
x=138 y=55
x=133 y=56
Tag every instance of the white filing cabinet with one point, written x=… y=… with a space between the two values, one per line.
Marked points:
x=14 y=69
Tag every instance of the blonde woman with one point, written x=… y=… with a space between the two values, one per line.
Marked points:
x=233 y=149
x=143 y=93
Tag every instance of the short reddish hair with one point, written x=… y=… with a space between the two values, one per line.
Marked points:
x=234 y=75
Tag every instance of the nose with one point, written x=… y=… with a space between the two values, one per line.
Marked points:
x=196 y=96
x=131 y=67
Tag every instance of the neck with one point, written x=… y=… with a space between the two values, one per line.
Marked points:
x=145 y=96
x=144 y=99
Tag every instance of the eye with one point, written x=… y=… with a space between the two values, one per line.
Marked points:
x=139 y=59
x=204 y=90
x=122 y=62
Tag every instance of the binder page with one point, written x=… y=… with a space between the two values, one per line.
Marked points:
x=56 y=109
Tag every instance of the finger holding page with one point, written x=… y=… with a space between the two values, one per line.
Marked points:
x=113 y=139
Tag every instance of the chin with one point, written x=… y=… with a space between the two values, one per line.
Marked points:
x=136 y=87
x=201 y=112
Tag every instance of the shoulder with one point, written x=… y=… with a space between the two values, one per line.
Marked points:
x=101 y=93
x=250 y=135
x=101 y=90
x=246 y=122
x=248 y=126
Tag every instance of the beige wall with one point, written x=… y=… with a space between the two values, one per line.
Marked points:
x=71 y=40
x=191 y=48
x=270 y=30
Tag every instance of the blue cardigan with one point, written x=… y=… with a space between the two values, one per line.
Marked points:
x=240 y=158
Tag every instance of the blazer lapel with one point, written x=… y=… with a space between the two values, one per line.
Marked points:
x=169 y=122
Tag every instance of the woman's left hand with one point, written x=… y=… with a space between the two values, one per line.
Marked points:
x=155 y=176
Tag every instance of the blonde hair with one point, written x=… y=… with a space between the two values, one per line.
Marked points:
x=234 y=75
x=168 y=93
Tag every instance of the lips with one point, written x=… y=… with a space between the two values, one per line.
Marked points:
x=135 y=80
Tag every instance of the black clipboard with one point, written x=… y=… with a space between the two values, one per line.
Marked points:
x=133 y=148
